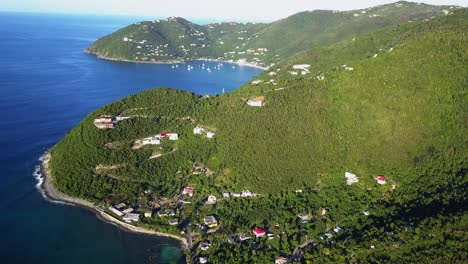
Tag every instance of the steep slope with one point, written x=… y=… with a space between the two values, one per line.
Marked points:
x=177 y=39
x=389 y=103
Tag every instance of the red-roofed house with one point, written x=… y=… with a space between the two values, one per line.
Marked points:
x=258 y=232
x=188 y=190
x=381 y=179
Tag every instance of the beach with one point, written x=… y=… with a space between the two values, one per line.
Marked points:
x=53 y=194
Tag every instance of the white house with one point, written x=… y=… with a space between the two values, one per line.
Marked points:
x=258 y=101
x=131 y=217
x=198 y=130
x=255 y=82
x=151 y=141
x=246 y=193
x=210 y=134
x=301 y=67
x=203 y=260
x=211 y=200
x=351 y=178
x=172 y=136
x=226 y=195
x=115 y=211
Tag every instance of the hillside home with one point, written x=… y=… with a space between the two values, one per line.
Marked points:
x=210 y=221
x=148 y=214
x=258 y=232
x=170 y=136
x=104 y=125
x=211 y=200
x=198 y=130
x=281 y=260
x=174 y=221
x=203 y=260
x=103 y=119
x=337 y=229
x=351 y=178
x=156 y=140
x=210 y=134
x=226 y=195
x=323 y=210
x=255 y=82
x=381 y=179
x=304 y=217
x=236 y=195
x=131 y=217
x=128 y=210
x=188 y=191
x=258 y=101
x=244 y=236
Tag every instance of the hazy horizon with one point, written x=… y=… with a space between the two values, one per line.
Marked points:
x=213 y=10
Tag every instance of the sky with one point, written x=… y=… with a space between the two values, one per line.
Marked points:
x=238 y=10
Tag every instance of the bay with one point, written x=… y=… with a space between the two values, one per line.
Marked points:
x=47 y=85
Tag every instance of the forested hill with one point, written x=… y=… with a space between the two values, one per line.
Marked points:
x=390 y=103
x=176 y=39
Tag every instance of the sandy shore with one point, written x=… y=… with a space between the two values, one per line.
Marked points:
x=176 y=61
x=55 y=195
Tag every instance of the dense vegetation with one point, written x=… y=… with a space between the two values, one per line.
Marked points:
x=177 y=39
x=398 y=108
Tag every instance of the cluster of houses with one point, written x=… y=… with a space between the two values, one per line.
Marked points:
x=127 y=213
x=351 y=178
x=156 y=140
x=245 y=193
x=199 y=130
x=257 y=101
x=303 y=69
x=108 y=121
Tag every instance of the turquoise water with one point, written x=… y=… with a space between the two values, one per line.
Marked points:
x=47 y=85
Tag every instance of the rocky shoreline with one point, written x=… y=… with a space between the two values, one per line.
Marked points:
x=53 y=194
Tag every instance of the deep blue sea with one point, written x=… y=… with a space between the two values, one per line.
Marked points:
x=47 y=85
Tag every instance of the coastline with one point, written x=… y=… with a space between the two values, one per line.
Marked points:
x=54 y=195
x=99 y=56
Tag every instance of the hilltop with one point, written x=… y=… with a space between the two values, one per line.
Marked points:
x=390 y=103
x=176 y=39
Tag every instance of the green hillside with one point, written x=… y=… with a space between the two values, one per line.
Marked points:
x=176 y=39
x=390 y=103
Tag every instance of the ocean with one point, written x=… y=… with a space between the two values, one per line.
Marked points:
x=47 y=85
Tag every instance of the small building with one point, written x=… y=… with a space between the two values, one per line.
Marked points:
x=104 y=125
x=148 y=214
x=156 y=140
x=272 y=73
x=210 y=221
x=174 y=221
x=255 y=82
x=281 y=260
x=351 y=178
x=203 y=260
x=381 y=179
x=323 y=210
x=257 y=101
x=366 y=213
x=131 y=217
x=258 y=232
x=188 y=191
x=337 y=229
x=270 y=236
x=103 y=119
x=128 y=210
x=244 y=236
x=121 y=118
x=211 y=200
x=304 y=217
x=204 y=246
x=115 y=211
x=301 y=67
x=210 y=134
x=168 y=135
x=226 y=195
x=236 y=195
x=298 y=191
x=246 y=193
x=198 y=130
